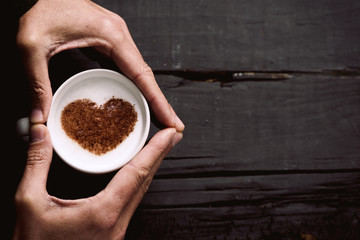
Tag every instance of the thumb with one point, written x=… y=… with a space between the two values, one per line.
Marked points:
x=39 y=158
x=33 y=46
x=40 y=87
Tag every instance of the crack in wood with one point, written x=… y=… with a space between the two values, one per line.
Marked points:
x=230 y=173
x=259 y=76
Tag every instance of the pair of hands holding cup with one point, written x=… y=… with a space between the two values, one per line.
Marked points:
x=46 y=29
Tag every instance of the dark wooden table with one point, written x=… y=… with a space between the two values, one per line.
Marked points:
x=269 y=92
x=270 y=95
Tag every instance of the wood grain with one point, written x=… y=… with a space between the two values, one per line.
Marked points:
x=255 y=207
x=265 y=155
x=260 y=35
x=303 y=123
x=269 y=92
x=260 y=159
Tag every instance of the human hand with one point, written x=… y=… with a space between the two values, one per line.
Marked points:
x=103 y=216
x=52 y=26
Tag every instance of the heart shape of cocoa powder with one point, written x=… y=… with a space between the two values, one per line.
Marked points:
x=98 y=129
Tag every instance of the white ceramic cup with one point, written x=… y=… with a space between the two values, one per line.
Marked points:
x=98 y=85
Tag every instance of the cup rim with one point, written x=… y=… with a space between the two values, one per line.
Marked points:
x=108 y=166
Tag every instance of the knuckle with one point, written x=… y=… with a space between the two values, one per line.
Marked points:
x=38 y=89
x=144 y=177
x=144 y=187
x=118 y=37
x=145 y=69
x=143 y=173
x=140 y=179
x=106 y=222
x=25 y=201
x=21 y=199
x=26 y=38
x=104 y=218
x=26 y=41
x=118 y=21
x=114 y=26
x=36 y=157
x=144 y=74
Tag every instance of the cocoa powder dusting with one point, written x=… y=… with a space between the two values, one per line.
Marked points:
x=98 y=129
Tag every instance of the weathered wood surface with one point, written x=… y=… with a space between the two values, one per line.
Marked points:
x=251 y=207
x=268 y=157
x=270 y=95
x=259 y=35
x=259 y=160
x=306 y=122
x=275 y=157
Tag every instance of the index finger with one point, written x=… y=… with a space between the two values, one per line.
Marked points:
x=135 y=176
x=131 y=182
x=129 y=60
x=40 y=88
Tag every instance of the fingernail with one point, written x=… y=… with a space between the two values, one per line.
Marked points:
x=37 y=133
x=36 y=116
x=179 y=124
x=177 y=138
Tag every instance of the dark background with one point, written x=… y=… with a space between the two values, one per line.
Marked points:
x=269 y=92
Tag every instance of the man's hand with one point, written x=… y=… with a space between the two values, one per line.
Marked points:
x=51 y=26
x=103 y=216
